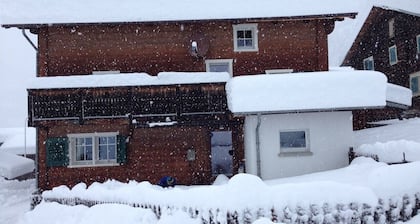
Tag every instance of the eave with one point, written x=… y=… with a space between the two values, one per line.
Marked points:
x=335 y=17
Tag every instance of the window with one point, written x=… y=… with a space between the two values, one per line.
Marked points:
x=245 y=37
x=414 y=83
x=391 y=27
x=93 y=148
x=278 y=71
x=418 y=44
x=368 y=63
x=90 y=149
x=393 y=58
x=219 y=65
x=294 y=141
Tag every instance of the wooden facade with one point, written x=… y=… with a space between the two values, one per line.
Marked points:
x=161 y=125
x=300 y=45
x=374 y=40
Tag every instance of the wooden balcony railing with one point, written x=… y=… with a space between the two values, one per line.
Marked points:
x=142 y=102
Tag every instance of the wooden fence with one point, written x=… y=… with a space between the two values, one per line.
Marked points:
x=391 y=210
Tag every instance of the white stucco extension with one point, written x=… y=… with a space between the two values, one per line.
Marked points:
x=329 y=133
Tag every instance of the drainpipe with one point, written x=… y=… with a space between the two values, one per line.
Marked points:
x=29 y=40
x=26 y=120
x=257 y=141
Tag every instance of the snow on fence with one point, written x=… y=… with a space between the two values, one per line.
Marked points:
x=394 y=210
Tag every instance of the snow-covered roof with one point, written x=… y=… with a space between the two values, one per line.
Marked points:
x=128 y=79
x=12 y=166
x=314 y=91
x=14 y=140
x=110 y=11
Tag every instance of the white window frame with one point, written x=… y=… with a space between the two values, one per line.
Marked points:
x=396 y=54
x=391 y=28
x=95 y=150
x=295 y=150
x=418 y=43
x=415 y=75
x=229 y=62
x=278 y=71
x=369 y=59
x=253 y=27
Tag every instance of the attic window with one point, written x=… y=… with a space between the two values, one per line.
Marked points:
x=368 y=63
x=393 y=57
x=245 y=37
x=219 y=65
x=391 y=27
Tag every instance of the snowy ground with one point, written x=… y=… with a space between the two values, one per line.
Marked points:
x=363 y=181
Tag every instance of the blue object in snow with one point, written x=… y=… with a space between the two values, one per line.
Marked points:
x=167 y=181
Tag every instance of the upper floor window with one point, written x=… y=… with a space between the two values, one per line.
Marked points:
x=393 y=57
x=391 y=27
x=368 y=63
x=219 y=65
x=418 y=44
x=245 y=37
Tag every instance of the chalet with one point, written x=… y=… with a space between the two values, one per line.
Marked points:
x=95 y=121
x=389 y=42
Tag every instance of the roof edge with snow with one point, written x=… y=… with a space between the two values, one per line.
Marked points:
x=313 y=92
x=127 y=79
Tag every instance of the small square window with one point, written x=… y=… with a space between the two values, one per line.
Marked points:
x=219 y=65
x=294 y=141
x=393 y=57
x=418 y=44
x=368 y=63
x=245 y=37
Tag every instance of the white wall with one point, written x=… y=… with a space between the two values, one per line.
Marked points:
x=330 y=136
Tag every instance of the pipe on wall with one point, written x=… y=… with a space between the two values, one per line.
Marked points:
x=257 y=142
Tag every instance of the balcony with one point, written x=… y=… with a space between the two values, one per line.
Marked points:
x=143 y=103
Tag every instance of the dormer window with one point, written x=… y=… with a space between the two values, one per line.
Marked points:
x=391 y=28
x=245 y=37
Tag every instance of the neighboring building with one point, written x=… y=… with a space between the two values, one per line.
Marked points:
x=301 y=123
x=389 y=42
x=93 y=126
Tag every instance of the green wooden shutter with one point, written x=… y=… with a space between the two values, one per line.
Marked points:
x=57 y=151
x=121 y=149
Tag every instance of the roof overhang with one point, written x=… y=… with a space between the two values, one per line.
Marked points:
x=313 y=92
x=335 y=17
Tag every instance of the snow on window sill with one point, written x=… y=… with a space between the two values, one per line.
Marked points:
x=290 y=154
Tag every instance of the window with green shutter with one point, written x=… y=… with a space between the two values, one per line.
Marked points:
x=122 y=149
x=97 y=149
x=57 y=151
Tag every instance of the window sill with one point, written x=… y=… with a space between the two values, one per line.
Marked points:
x=295 y=154
x=93 y=165
x=245 y=50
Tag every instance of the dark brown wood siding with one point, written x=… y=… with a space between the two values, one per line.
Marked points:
x=152 y=153
x=374 y=40
x=67 y=50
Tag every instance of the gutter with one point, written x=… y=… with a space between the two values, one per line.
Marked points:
x=257 y=142
x=29 y=40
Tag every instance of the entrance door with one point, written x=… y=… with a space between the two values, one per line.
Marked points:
x=221 y=153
